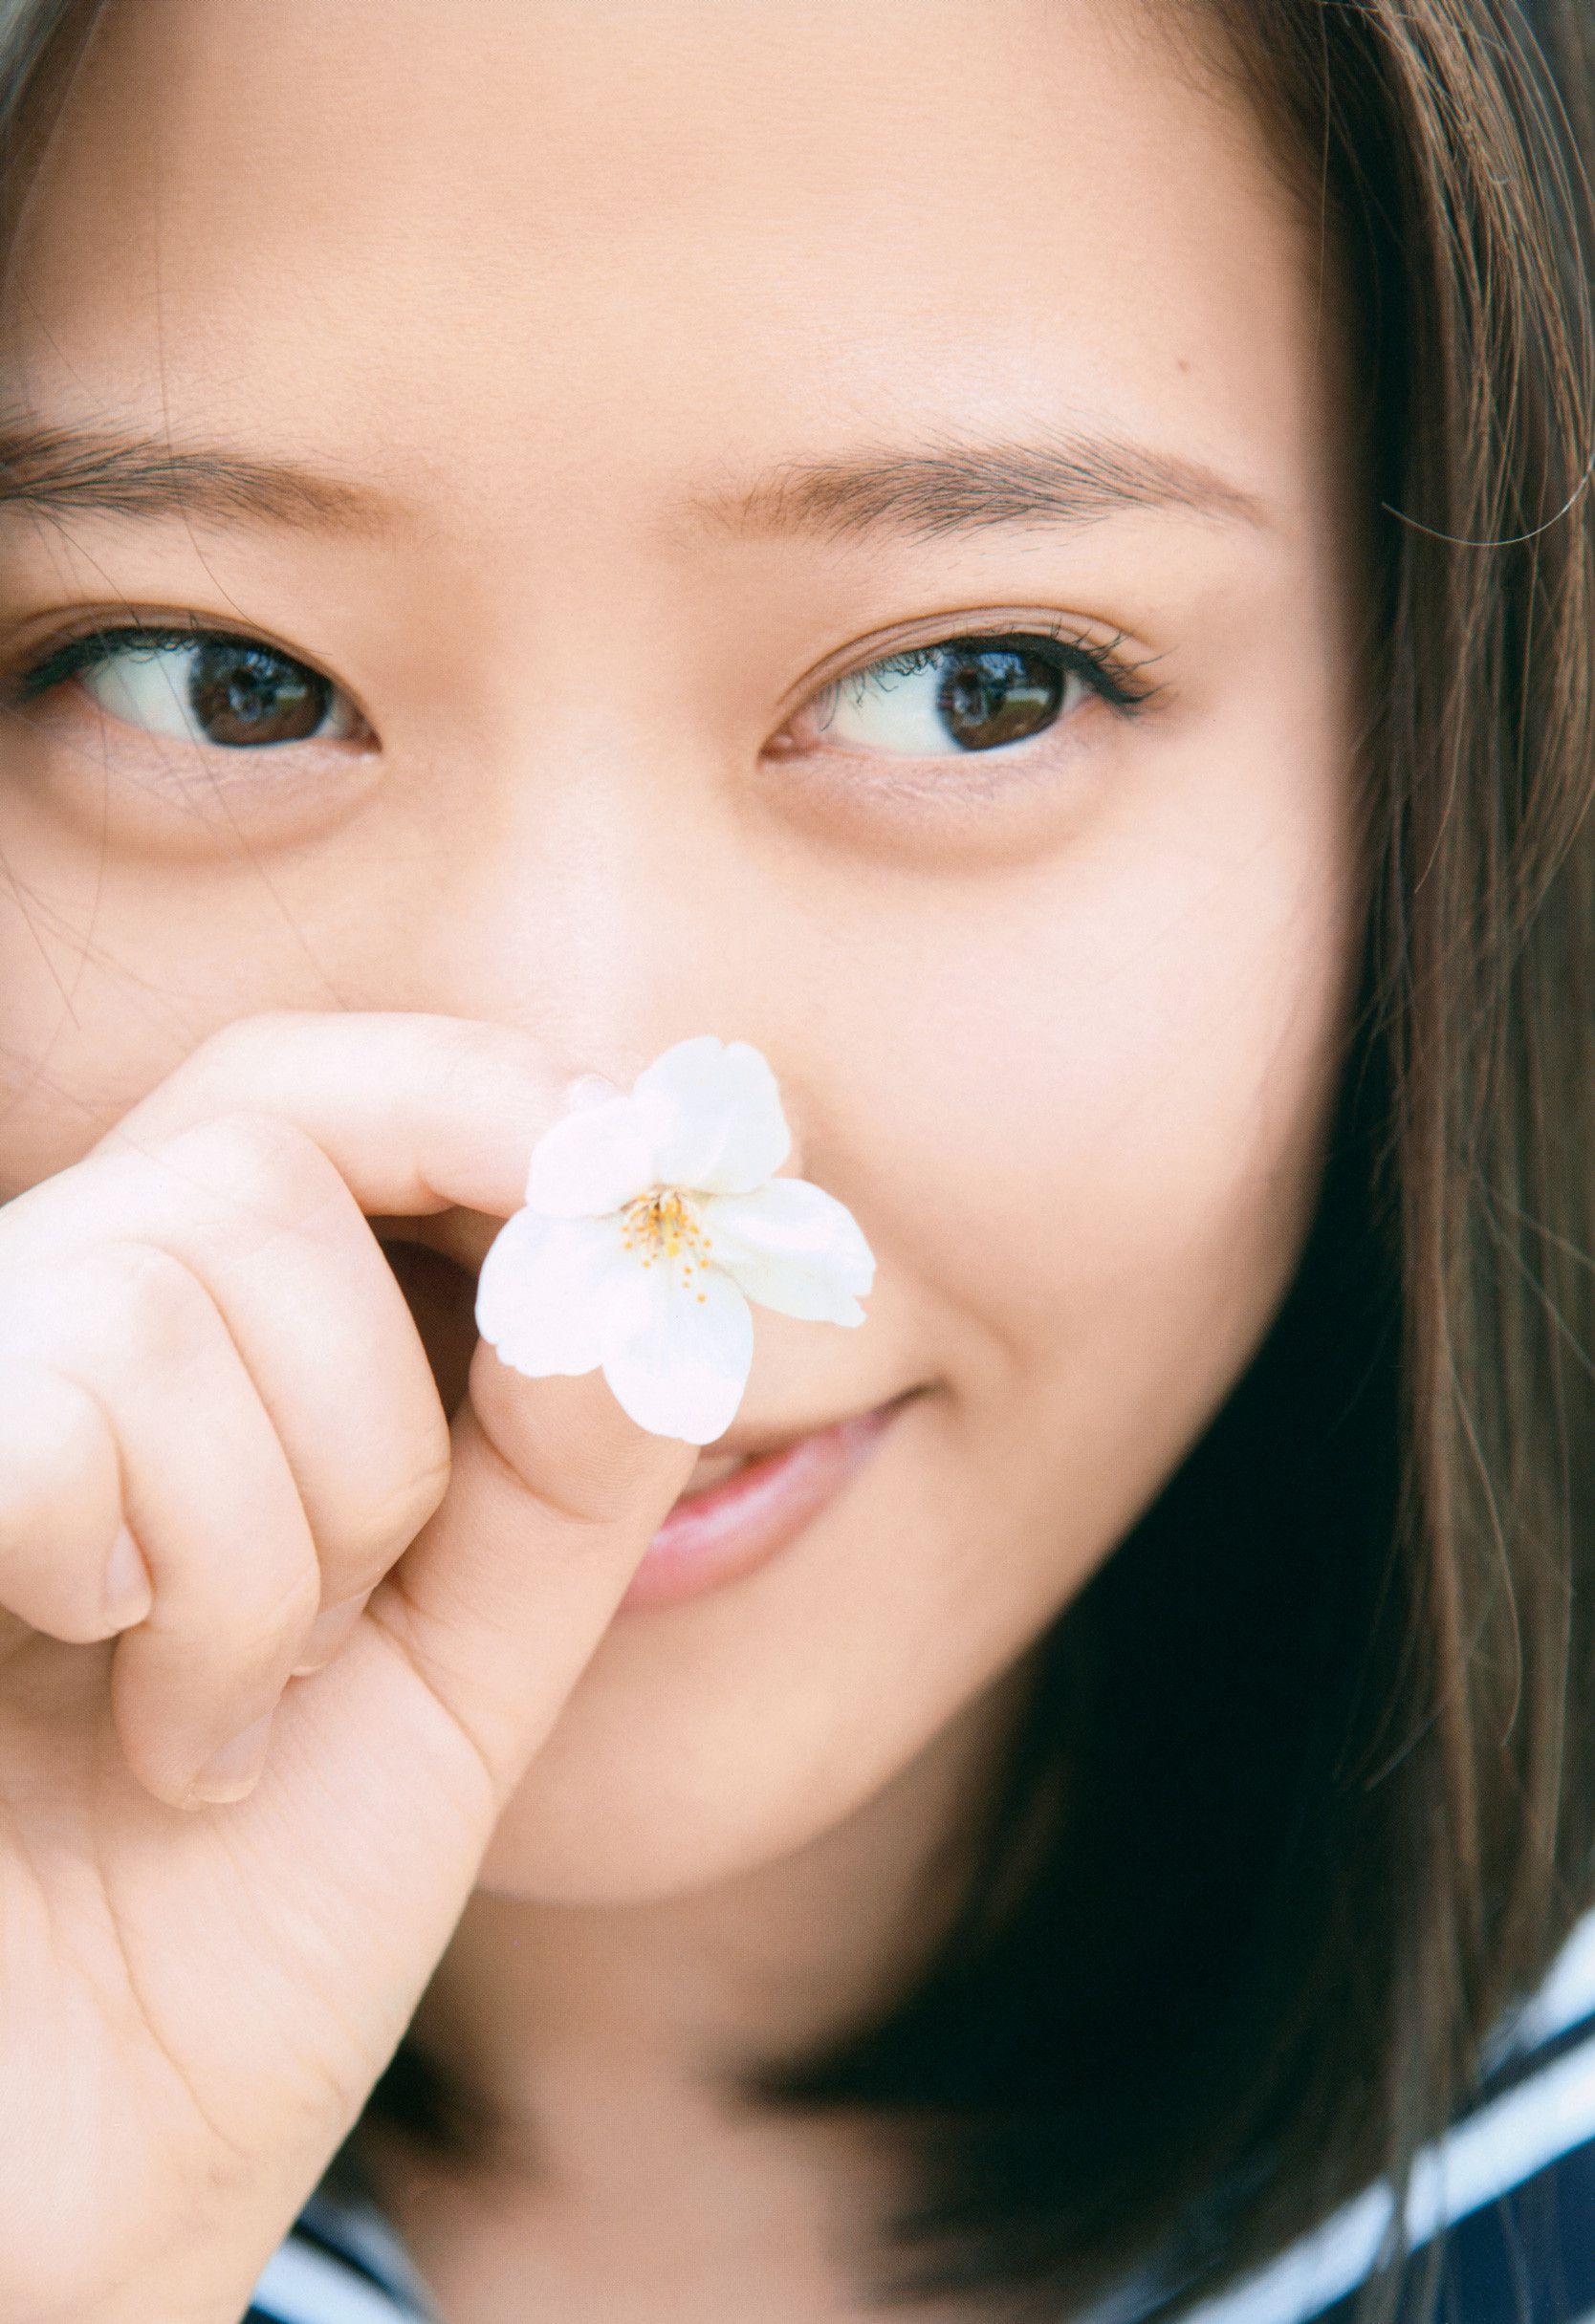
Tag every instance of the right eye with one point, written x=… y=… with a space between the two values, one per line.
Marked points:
x=203 y=687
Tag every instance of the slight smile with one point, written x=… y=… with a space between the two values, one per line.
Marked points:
x=739 y=1520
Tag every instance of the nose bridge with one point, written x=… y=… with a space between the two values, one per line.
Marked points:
x=605 y=911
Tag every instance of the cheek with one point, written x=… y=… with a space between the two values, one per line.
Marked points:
x=115 y=966
x=1111 y=1110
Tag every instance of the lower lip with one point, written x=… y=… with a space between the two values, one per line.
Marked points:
x=713 y=1536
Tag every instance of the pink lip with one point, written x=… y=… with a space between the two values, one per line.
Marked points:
x=713 y=1536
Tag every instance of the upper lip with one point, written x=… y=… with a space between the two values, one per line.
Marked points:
x=754 y=1447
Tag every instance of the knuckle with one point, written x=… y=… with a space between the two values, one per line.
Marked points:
x=402 y=1506
x=420 y=1642
x=49 y=1424
x=261 y=1151
x=233 y=1048
x=283 y=1600
x=298 y=1600
x=219 y=1070
x=161 y=1307
x=267 y=1167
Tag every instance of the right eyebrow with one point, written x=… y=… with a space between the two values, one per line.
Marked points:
x=56 y=471
x=955 y=485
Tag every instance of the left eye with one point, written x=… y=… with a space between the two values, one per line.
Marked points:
x=971 y=694
x=231 y=693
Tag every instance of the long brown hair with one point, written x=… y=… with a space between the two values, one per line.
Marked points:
x=1303 y=1801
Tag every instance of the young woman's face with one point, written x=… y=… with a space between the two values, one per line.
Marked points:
x=675 y=362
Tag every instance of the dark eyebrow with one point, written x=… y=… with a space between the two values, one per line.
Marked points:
x=959 y=487
x=948 y=488
x=56 y=471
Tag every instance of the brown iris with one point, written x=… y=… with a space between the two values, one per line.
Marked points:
x=241 y=696
x=991 y=695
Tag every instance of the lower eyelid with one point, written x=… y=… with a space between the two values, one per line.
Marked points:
x=167 y=791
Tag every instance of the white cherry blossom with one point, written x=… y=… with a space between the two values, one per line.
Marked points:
x=652 y=1218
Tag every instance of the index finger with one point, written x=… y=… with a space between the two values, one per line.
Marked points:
x=417 y=1112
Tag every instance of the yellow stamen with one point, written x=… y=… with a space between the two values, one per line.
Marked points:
x=664 y=1222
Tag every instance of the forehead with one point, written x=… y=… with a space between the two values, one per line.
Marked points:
x=487 y=247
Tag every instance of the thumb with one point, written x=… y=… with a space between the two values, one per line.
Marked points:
x=346 y=1871
x=553 y=1495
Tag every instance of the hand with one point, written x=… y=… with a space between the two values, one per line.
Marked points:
x=202 y=1343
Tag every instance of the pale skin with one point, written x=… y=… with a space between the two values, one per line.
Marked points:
x=1058 y=1020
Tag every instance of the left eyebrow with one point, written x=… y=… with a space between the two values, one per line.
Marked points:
x=1067 y=478
x=59 y=469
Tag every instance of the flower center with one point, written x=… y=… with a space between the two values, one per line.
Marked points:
x=663 y=1224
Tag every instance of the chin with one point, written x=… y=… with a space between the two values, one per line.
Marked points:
x=621 y=1845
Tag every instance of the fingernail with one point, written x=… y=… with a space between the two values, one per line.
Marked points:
x=590 y=1089
x=327 y=1632
x=129 y=1592
x=235 y=1767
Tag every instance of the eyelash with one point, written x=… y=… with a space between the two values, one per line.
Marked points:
x=1103 y=667
x=80 y=653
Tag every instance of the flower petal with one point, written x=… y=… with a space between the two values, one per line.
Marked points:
x=793 y=1248
x=677 y=1362
x=714 y=1114
x=540 y=1295
x=591 y=1160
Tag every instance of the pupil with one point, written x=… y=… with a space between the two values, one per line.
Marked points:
x=998 y=694
x=245 y=695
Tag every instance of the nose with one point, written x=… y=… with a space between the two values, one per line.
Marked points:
x=612 y=908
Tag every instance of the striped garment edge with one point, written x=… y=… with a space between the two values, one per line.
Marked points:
x=342 y=2264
